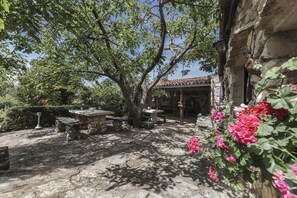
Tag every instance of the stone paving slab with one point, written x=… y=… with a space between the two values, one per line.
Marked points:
x=129 y=164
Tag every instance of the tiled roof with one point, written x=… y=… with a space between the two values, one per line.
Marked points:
x=185 y=82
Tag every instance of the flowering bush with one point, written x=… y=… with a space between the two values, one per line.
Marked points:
x=260 y=142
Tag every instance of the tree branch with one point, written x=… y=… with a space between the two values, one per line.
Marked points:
x=105 y=37
x=159 y=53
x=173 y=62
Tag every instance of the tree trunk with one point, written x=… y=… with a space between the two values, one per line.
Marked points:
x=4 y=158
x=134 y=108
x=134 y=112
x=134 y=118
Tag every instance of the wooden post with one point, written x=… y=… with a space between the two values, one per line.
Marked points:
x=4 y=158
x=181 y=106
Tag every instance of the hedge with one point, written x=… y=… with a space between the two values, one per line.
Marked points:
x=18 y=118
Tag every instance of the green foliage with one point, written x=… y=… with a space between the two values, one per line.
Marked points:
x=49 y=82
x=7 y=101
x=18 y=118
x=4 y=9
x=274 y=146
x=124 y=41
x=105 y=95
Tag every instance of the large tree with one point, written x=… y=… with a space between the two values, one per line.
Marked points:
x=133 y=42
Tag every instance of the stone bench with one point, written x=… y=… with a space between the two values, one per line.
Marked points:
x=117 y=122
x=69 y=125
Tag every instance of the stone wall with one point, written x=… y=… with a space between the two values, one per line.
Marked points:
x=215 y=89
x=266 y=29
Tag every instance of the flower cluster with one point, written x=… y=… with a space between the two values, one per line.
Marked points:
x=244 y=128
x=221 y=144
x=260 y=143
x=193 y=145
x=280 y=183
x=262 y=108
x=249 y=120
x=212 y=174
x=217 y=116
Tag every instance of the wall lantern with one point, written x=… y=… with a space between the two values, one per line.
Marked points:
x=220 y=46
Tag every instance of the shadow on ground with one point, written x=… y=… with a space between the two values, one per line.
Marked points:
x=154 y=158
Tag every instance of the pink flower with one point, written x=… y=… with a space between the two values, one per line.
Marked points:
x=279 y=183
x=294 y=169
x=220 y=143
x=289 y=195
x=193 y=145
x=279 y=175
x=212 y=174
x=262 y=108
x=217 y=116
x=244 y=128
x=230 y=158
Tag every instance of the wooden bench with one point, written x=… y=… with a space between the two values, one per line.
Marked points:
x=117 y=122
x=69 y=125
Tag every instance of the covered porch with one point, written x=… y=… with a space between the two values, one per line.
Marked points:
x=184 y=98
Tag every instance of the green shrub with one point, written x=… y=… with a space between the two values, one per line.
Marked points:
x=105 y=96
x=18 y=118
x=8 y=100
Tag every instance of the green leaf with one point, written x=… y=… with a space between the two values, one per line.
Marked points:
x=242 y=162
x=294 y=130
x=260 y=86
x=290 y=64
x=269 y=163
x=264 y=130
x=283 y=142
x=264 y=144
x=5 y=6
x=281 y=128
x=273 y=73
x=255 y=149
x=1 y=24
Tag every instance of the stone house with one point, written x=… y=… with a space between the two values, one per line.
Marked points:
x=254 y=31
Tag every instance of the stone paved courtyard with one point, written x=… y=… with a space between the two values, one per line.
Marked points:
x=132 y=163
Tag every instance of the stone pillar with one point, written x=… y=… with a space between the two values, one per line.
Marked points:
x=96 y=124
x=83 y=120
x=216 y=86
x=72 y=131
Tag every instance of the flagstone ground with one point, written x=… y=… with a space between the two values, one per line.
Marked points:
x=132 y=163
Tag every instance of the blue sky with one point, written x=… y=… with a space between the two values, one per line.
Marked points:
x=194 y=72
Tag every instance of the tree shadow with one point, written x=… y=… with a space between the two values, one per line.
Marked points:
x=155 y=157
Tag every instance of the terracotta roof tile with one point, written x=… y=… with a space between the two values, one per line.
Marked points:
x=184 y=81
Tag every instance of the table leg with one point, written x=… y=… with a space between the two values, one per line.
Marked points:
x=154 y=117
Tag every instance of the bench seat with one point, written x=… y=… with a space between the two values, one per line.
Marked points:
x=117 y=122
x=62 y=122
x=69 y=125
